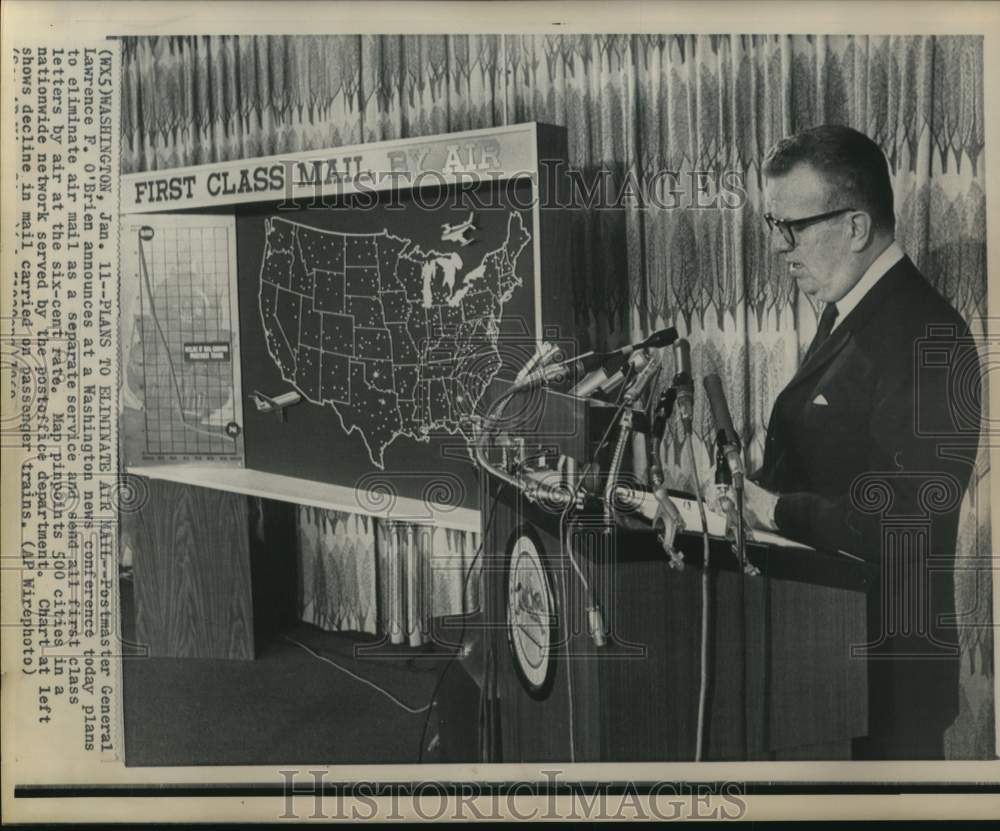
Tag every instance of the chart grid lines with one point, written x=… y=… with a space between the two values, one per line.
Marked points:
x=189 y=338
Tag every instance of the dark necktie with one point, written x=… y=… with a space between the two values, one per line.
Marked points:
x=826 y=321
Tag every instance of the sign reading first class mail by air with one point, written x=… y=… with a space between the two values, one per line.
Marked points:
x=498 y=154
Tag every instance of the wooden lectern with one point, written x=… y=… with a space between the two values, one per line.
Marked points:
x=781 y=681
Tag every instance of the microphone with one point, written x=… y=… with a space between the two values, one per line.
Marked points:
x=591 y=360
x=634 y=363
x=684 y=383
x=661 y=415
x=657 y=340
x=543 y=373
x=544 y=354
x=664 y=409
x=642 y=380
x=599 y=377
x=724 y=421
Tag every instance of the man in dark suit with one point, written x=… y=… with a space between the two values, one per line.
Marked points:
x=869 y=446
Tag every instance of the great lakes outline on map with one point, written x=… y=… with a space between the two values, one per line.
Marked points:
x=398 y=341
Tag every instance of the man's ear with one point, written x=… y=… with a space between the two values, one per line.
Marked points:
x=861 y=230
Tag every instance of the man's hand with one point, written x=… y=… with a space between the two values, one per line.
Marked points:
x=668 y=521
x=758 y=506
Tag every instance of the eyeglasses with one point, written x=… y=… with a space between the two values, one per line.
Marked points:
x=787 y=227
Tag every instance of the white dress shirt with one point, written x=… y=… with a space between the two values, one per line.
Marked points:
x=882 y=263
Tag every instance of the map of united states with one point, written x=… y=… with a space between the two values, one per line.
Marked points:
x=398 y=341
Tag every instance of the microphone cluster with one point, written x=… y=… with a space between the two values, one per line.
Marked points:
x=636 y=366
x=609 y=366
x=606 y=371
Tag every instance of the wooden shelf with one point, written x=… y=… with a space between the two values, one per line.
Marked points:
x=314 y=494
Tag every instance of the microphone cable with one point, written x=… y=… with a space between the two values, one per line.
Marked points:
x=703 y=673
x=489 y=675
x=582 y=477
x=461 y=638
x=402 y=705
x=568 y=548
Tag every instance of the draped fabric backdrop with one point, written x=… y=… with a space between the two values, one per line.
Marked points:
x=633 y=106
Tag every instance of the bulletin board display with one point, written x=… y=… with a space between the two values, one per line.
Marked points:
x=375 y=310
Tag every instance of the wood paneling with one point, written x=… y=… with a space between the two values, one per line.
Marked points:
x=781 y=678
x=817 y=687
x=192 y=573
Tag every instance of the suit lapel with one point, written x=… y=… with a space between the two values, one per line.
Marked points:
x=879 y=295
x=822 y=356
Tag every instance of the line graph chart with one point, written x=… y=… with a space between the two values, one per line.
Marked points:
x=181 y=357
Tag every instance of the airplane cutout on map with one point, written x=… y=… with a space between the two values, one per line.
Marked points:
x=276 y=405
x=457 y=232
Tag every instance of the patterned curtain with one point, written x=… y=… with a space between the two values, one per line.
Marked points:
x=701 y=106
x=362 y=574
